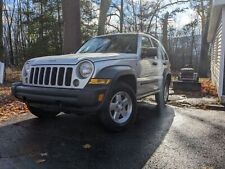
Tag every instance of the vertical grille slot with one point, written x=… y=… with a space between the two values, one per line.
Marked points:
x=41 y=77
x=68 y=76
x=61 y=76
x=36 y=75
x=47 y=75
x=53 y=77
x=31 y=76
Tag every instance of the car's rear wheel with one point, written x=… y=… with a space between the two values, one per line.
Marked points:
x=163 y=96
x=42 y=114
x=120 y=108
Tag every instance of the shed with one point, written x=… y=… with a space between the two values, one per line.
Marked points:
x=216 y=36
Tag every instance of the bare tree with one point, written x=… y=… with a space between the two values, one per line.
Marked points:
x=203 y=8
x=1 y=31
x=104 y=7
x=121 y=15
x=165 y=30
x=72 y=28
x=9 y=13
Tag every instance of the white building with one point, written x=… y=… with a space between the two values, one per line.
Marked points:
x=216 y=37
x=2 y=68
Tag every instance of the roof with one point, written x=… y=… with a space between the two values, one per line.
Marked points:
x=128 y=33
x=217 y=6
x=186 y=69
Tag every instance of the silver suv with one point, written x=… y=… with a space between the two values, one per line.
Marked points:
x=107 y=76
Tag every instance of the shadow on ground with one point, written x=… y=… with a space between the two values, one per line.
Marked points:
x=58 y=144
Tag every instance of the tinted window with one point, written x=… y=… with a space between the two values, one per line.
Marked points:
x=146 y=42
x=147 y=48
x=111 y=44
x=155 y=43
x=163 y=51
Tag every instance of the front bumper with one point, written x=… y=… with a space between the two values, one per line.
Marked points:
x=65 y=100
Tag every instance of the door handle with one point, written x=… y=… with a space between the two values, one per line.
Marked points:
x=164 y=63
x=154 y=63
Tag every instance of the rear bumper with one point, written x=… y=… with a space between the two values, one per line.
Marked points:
x=67 y=100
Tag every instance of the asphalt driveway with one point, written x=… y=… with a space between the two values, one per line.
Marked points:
x=81 y=142
x=181 y=138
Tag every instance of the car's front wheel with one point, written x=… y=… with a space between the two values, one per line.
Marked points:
x=42 y=114
x=120 y=108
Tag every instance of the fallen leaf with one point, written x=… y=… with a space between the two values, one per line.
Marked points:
x=87 y=146
x=40 y=161
x=44 y=154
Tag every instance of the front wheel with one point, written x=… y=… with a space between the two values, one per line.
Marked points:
x=42 y=114
x=120 y=108
x=163 y=96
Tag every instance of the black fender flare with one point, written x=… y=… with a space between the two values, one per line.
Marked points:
x=115 y=73
x=167 y=74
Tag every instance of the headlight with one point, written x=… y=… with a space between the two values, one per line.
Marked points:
x=195 y=75
x=26 y=69
x=85 y=69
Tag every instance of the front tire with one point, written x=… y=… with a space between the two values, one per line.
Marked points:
x=42 y=114
x=119 y=110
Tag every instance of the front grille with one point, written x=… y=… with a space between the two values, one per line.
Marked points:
x=187 y=75
x=55 y=76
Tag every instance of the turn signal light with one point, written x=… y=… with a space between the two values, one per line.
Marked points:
x=100 y=81
x=101 y=97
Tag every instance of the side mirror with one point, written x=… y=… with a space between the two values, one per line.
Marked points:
x=149 y=52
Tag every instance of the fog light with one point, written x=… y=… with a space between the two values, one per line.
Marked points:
x=101 y=97
x=76 y=82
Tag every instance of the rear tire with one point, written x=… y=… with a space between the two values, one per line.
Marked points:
x=163 y=96
x=119 y=110
x=42 y=114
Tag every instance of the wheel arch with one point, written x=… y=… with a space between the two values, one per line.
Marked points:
x=119 y=74
x=167 y=76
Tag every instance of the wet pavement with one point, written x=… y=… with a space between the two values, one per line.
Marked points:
x=174 y=138
x=81 y=142
x=196 y=140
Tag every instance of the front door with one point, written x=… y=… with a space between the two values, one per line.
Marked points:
x=148 y=69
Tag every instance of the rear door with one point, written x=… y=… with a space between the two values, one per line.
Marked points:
x=163 y=60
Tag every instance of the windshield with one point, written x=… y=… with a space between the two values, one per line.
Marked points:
x=111 y=44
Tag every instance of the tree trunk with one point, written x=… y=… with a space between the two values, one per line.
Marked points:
x=204 y=57
x=72 y=30
x=59 y=25
x=1 y=32
x=41 y=28
x=165 y=31
x=192 y=46
x=104 y=7
x=121 y=17
x=141 y=17
x=135 y=16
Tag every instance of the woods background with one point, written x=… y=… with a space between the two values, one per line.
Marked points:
x=32 y=28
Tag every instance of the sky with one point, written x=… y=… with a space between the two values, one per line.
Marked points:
x=185 y=18
x=180 y=20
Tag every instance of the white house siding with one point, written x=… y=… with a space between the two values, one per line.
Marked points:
x=216 y=56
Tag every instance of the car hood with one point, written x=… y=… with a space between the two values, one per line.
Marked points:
x=72 y=59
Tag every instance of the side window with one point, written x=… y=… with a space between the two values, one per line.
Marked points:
x=146 y=43
x=155 y=43
x=147 y=48
x=163 y=51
